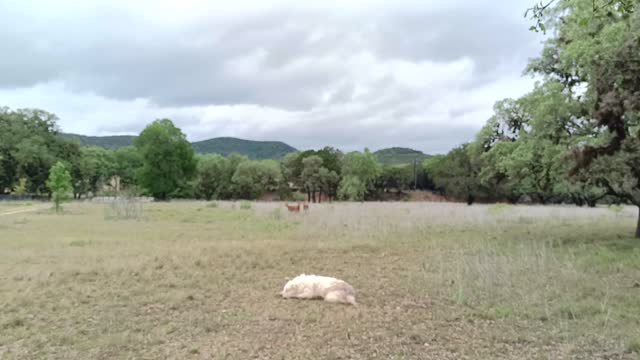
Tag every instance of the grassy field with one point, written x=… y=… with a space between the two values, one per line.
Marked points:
x=188 y=280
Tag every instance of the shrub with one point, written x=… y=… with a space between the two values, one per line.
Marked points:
x=125 y=208
x=617 y=209
x=298 y=196
x=212 y=205
x=245 y=205
x=59 y=183
x=498 y=208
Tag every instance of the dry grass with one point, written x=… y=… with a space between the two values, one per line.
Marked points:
x=12 y=205
x=434 y=281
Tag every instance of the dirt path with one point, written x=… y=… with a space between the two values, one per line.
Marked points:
x=12 y=212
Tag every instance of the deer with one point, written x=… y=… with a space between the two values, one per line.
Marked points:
x=293 y=208
x=305 y=207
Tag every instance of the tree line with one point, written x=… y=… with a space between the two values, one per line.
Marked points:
x=162 y=164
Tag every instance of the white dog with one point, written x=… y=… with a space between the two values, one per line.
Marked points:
x=319 y=287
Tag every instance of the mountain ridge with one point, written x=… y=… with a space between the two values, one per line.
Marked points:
x=400 y=155
x=254 y=149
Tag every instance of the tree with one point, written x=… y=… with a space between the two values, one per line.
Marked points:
x=253 y=178
x=126 y=163
x=352 y=188
x=168 y=159
x=21 y=187
x=535 y=167
x=59 y=183
x=29 y=146
x=456 y=174
x=331 y=159
x=94 y=166
x=539 y=12
x=288 y=166
x=329 y=182
x=228 y=190
x=395 y=177
x=310 y=176
x=595 y=59
x=212 y=178
x=364 y=167
x=272 y=178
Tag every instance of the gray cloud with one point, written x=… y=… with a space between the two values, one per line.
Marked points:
x=408 y=72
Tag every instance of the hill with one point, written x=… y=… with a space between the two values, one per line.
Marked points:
x=399 y=155
x=110 y=142
x=256 y=150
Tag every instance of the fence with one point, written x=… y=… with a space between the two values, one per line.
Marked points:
x=23 y=197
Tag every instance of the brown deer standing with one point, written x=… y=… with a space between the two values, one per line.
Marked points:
x=293 y=208
x=305 y=207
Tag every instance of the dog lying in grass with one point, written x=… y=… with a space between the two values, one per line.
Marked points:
x=319 y=287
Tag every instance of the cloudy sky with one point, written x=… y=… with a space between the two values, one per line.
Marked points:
x=350 y=74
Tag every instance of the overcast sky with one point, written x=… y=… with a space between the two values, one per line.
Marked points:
x=421 y=74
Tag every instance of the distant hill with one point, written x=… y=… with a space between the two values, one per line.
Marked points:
x=110 y=142
x=256 y=150
x=399 y=155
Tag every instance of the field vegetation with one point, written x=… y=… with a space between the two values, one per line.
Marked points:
x=192 y=280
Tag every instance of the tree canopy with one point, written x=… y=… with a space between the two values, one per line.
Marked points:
x=168 y=159
x=59 y=183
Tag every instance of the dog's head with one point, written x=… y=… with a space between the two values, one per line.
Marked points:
x=291 y=288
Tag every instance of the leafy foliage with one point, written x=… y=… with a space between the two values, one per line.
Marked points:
x=352 y=188
x=168 y=159
x=59 y=183
x=29 y=147
x=212 y=179
x=253 y=178
x=395 y=177
x=319 y=175
x=456 y=173
x=360 y=171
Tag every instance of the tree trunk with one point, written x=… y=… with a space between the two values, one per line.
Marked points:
x=542 y=199
x=470 y=199
x=638 y=226
x=578 y=200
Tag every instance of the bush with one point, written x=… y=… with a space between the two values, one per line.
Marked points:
x=245 y=205
x=212 y=205
x=298 y=196
x=498 y=208
x=125 y=208
x=617 y=209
